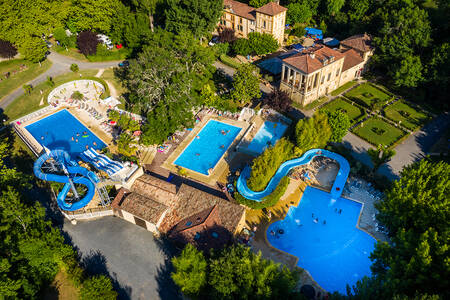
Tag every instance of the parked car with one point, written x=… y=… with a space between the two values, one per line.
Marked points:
x=104 y=39
x=125 y=63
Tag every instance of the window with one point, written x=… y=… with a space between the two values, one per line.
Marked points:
x=337 y=72
x=240 y=20
x=240 y=28
x=252 y=30
x=329 y=76
x=264 y=24
x=252 y=22
x=323 y=79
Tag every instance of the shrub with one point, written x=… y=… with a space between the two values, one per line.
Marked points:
x=7 y=49
x=77 y=95
x=262 y=43
x=278 y=100
x=269 y=200
x=64 y=40
x=242 y=47
x=265 y=165
x=97 y=287
x=229 y=61
x=74 y=68
x=298 y=31
x=50 y=81
x=87 y=42
x=227 y=35
x=114 y=115
x=314 y=132
x=221 y=49
x=339 y=123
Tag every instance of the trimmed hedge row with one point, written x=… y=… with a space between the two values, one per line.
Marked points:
x=229 y=61
x=269 y=200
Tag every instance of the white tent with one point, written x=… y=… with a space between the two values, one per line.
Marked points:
x=111 y=101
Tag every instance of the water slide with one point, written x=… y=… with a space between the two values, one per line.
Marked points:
x=101 y=162
x=71 y=168
x=283 y=170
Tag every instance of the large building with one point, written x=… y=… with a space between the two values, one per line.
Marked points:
x=244 y=19
x=318 y=70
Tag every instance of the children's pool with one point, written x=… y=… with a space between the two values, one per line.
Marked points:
x=57 y=130
x=266 y=136
x=335 y=253
x=206 y=149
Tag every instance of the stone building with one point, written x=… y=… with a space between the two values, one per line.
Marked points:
x=318 y=70
x=244 y=19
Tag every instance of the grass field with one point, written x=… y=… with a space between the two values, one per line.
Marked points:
x=378 y=132
x=353 y=111
x=311 y=105
x=28 y=103
x=71 y=52
x=409 y=116
x=343 y=88
x=368 y=95
x=19 y=79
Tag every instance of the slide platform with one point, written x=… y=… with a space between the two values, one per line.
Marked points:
x=283 y=170
x=87 y=178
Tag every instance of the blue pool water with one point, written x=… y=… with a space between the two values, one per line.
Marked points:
x=335 y=253
x=269 y=133
x=57 y=131
x=204 y=152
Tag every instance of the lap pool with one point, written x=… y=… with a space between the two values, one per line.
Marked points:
x=57 y=130
x=322 y=233
x=206 y=149
x=266 y=136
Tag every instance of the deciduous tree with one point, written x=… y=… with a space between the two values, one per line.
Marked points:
x=339 y=123
x=314 y=132
x=7 y=50
x=246 y=84
x=298 y=12
x=278 y=100
x=34 y=49
x=97 y=287
x=87 y=42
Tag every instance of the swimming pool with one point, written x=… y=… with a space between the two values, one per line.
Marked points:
x=335 y=253
x=56 y=132
x=204 y=152
x=267 y=135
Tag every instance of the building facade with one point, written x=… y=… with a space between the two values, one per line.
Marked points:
x=244 y=19
x=318 y=70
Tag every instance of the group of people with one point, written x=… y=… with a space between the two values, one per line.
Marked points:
x=316 y=220
x=223 y=132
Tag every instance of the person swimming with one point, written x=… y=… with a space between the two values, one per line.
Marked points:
x=42 y=137
x=72 y=139
x=222 y=146
x=76 y=141
x=197 y=137
x=87 y=147
x=197 y=154
x=222 y=132
x=94 y=143
x=78 y=134
x=84 y=132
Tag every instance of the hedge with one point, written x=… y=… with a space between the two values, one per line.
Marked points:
x=229 y=61
x=269 y=200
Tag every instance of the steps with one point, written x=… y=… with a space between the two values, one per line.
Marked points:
x=146 y=155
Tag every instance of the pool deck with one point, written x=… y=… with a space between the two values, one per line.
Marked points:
x=221 y=167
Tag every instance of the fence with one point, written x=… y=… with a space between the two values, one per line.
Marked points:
x=88 y=213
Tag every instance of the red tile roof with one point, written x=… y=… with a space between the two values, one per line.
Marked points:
x=361 y=42
x=240 y=9
x=352 y=58
x=271 y=9
x=313 y=59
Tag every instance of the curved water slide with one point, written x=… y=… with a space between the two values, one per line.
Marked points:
x=283 y=170
x=71 y=168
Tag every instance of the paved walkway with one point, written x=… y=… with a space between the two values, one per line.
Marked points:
x=60 y=65
x=416 y=146
x=137 y=262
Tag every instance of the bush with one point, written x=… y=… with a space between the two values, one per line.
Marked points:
x=262 y=43
x=278 y=100
x=242 y=47
x=298 y=31
x=7 y=49
x=77 y=95
x=227 y=35
x=64 y=40
x=87 y=42
x=221 y=49
x=74 y=68
x=339 y=123
x=114 y=115
x=269 y=200
x=97 y=287
x=265 y=166
x=229 y=61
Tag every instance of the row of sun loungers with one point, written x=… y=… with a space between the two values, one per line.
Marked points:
x=221 y=113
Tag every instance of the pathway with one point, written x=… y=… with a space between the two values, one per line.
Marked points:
x=60 y=65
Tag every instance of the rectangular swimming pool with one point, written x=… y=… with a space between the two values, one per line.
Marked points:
x=206 y=149
x=57 y=131
x=266 y=136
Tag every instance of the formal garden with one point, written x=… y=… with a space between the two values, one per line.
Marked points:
x=406 y=115
x=369 y=96
x=354 y=112
x=378 y=132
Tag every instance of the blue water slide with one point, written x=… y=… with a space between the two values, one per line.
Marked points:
x=283 y=170
x=87 y=178
x=101 y=162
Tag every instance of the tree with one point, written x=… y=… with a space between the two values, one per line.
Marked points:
x=298 y=13
x=339 y=123
x=242 y=47
x=87 y=42
x=64 y=40
x=278 y=100
x=34 y=49
x=415 y=213
x=199 y=17
x=77 y=95
x=379 y=156
x=190 y=270
x=258 y=3
x=334 y=6
x=74 y=68
x=246 y=84
x=97 y=287
x=408 y=73
x=50 y=81
x=27 y=88
x=262 y=43
x=86 y=15
x=227 y=35
x=357 y=9
x=147 y=7
x=7 y=50
x=314 y=132
x=209 y=96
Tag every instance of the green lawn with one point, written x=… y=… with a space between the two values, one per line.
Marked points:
x=368 y=95
x=376 y=131
x=20 y=78
x=28 y=103
x=354 y=112
x=311 y=105
x=109 y=76
x=409 y=117
x=343 y=88
x=71 y=52
x=110 y=55
x=229 y=61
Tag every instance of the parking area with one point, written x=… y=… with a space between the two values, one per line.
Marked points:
x=136 y=261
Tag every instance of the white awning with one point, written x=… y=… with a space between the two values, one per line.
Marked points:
x=111 y=101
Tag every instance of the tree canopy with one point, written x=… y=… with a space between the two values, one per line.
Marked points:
x=339 y=123
x=314 y=132
x=246 y=84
